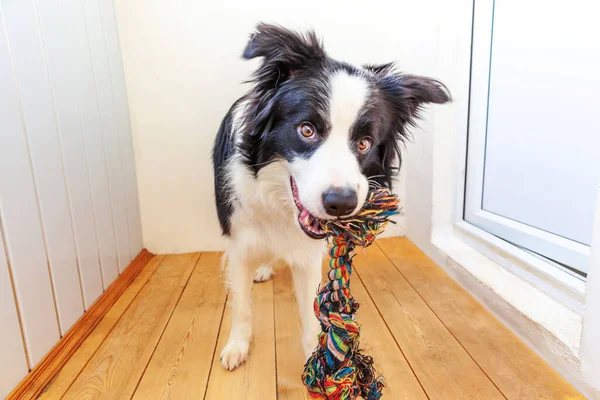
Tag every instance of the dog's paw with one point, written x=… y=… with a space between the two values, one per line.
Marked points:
x=234 y=354
x=263 y=273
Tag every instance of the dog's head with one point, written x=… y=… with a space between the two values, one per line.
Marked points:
x=338 y=126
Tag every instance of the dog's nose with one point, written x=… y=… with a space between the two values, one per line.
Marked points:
x=339 y=202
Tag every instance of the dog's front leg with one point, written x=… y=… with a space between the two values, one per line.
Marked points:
x=236 y=350
x=307 y=279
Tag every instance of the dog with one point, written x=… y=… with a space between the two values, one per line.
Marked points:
x=305 y=144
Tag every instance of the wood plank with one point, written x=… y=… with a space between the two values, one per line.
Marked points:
x=180 y=365
x=13 y=363
x=510 y=363
x=71 y=370
x=60 y=44
x=254 y=380
x=115 y=369
x=377 y=341
x=443 y=367
x=288 y=339
x=21 y=219
x=70 y=347
x=98 y=50
x=39 y=116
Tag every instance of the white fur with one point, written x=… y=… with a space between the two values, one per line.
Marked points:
x=263 y=228
x=263 y=273
x=334 y=164
x=264 y=223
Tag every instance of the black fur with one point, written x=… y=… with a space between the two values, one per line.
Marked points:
x=223 y=150
x=291 y=86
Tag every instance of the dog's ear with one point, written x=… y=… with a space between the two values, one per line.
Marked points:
x=419 y=90
x=403 y=96
x=408 y=93
x=283 y=51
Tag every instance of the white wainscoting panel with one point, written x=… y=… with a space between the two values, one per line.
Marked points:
x=115 y=63
x=110 y=132
x=39 y=117
x=95 y=148
x=61 y=43
x=21 y=222
x=13 y=362
x=69 y=212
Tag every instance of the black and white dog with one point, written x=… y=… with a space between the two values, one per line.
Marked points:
x=305 y=144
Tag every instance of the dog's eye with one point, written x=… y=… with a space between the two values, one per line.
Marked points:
x=364 y=145
x=307 y=130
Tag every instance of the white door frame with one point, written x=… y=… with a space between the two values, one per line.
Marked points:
x=590 y=340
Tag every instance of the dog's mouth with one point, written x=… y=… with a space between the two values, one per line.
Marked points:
x=310 y=224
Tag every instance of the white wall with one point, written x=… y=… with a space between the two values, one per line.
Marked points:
x=183 y=70
x=69 y=214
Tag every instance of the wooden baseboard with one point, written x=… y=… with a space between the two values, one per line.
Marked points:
x=47 y=369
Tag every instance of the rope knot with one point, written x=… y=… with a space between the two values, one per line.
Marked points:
x=337 y=369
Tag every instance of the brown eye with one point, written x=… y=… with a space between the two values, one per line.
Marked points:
x=307 y=130
x=364 y=145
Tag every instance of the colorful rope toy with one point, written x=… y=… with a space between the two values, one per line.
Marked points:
x=338 y=370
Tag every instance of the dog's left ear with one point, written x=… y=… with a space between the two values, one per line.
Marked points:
x=419 y=90
x=408 y=93
x=403 y=96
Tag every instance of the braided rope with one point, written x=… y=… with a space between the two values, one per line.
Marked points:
x=338 y=370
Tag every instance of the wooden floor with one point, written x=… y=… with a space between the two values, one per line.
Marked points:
x=430 y=339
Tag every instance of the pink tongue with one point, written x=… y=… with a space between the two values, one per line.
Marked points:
x=303 y=214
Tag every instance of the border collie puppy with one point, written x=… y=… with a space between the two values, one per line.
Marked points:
x=306 y=144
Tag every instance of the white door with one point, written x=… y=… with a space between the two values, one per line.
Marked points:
x=534 y=137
